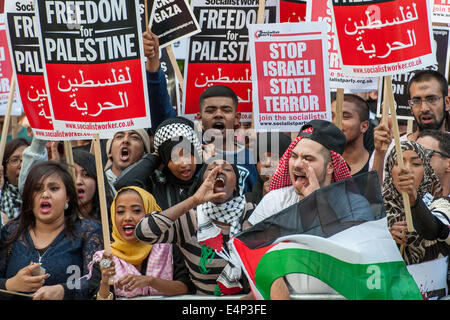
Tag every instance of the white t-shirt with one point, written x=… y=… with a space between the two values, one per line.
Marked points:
x=274 y=202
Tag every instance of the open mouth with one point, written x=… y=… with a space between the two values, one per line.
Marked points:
x=219 y=184
x=128 y=229
x=186 y=173
x=81 y=192
x=219 y=126
x=300 y=178
x=427 y=118
x=45 y=206
x=124 y=154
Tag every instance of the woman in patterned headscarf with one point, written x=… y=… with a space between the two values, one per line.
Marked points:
x=169 y=172
x=430 y=239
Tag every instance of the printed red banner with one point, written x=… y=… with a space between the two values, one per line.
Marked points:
x=92 y=61
x=378 y=38
x=219 y=54
x=289 y=75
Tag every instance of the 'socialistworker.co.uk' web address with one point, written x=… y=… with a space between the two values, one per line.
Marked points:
x=388 y=68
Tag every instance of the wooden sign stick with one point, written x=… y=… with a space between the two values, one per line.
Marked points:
x=7 y=119
x=386 y=105
x=339 y=104
x=14 y=127
x=175 y=66
x=398 y=150
x=409 y=126
x=17 y=293
x=260 y=20
x=102 y=196
x=69 y=159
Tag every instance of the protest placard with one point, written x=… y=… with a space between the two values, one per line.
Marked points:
x=292 y=10
x=27 y=63
x=378 y=38
x=441 y=11
x=91 y=56
x=441 y=42
x=172 y=20
x=171 y=79
x=219 y=54
x=321 y=11
x=289 y=75
x=6 y=72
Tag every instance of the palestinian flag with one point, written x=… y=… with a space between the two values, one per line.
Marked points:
x=361 y=262
x=334 y=240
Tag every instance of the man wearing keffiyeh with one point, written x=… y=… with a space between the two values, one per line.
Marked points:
x=313 y=160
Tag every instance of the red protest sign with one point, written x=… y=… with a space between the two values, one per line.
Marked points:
x=218 y=55
x=379 y=38
x=292 y=10
x=6 y=73
x=24 y=48
x=290 y=78
x=441 y=11
x=321 y=11
x=94 y=74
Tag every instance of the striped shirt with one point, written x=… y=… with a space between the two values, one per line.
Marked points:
x=157 y=228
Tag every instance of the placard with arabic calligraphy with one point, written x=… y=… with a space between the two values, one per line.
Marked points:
x=289 y=75
x=6 y=72
x=321 y=11
x=24 y=48
x=92 y=61
x=219 y=54
x=381 y=37
x=441 y=37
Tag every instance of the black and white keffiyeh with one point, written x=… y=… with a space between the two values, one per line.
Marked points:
x=11 y=200
x=229 y=212
x=209 y=234
x=175 y=130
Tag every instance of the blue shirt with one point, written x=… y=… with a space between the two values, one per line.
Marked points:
x=66 y=259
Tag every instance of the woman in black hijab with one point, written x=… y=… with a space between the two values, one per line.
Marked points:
x=170 y=171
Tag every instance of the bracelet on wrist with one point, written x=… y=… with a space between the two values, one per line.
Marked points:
x=109 y=297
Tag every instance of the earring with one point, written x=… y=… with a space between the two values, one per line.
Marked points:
x=66 y=205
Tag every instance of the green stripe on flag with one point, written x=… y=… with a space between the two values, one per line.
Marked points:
x=375 y=281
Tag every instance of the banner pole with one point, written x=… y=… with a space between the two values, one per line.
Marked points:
x=175 y=66
x=102 y=196
x=7 y=119
x=398 y=149
x=385 y=105
x=260 y=20
x=261 y=9
x=339 y=104
x=14 y=125
x=409 y=126
x=69 y=160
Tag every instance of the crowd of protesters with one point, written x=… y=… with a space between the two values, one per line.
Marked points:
x=175 y=196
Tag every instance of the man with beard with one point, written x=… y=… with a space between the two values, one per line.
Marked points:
x=312 y=161
x=355 y=122
x=219 y=118
x=430 y=105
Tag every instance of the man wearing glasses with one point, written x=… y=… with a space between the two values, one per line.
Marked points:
x=429 y=101
x=430 y=106
x=438 y=144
